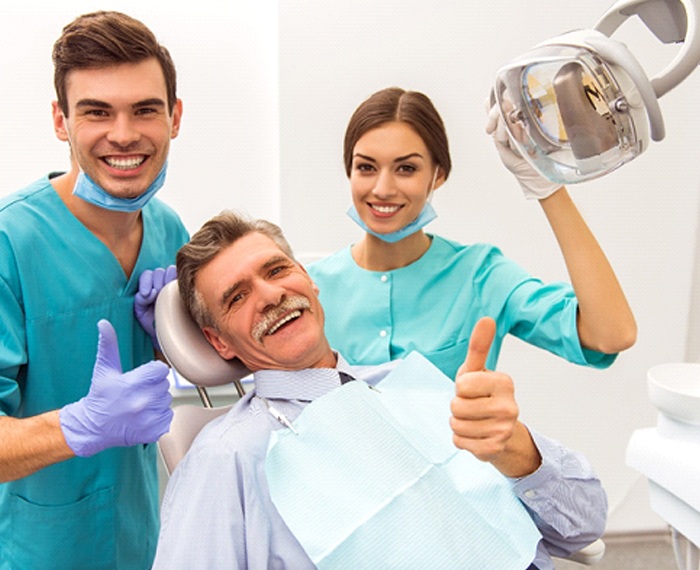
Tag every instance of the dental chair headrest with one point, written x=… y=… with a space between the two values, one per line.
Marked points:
x=185 y=346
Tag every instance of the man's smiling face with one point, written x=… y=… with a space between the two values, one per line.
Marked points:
x=265 y=307
x=119 y=126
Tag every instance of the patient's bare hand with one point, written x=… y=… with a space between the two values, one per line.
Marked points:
x=485 y=414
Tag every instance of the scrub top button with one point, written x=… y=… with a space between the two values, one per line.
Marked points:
x=384 y=278
x=382 y=333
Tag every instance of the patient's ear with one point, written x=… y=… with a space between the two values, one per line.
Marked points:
x=224 y=349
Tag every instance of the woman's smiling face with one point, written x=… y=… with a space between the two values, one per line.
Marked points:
x=391 y=177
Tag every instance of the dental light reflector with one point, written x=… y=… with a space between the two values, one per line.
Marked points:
x=569 y=115
x=580 y=105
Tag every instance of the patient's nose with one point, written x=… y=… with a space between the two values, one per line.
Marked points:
x=270 y=295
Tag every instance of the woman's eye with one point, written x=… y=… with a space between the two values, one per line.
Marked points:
x=407 y=168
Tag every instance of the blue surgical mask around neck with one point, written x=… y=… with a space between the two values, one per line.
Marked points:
x=427 y=215
x=86 y=189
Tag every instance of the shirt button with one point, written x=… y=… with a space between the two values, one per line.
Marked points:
x=384 y=278
x=530 y=494
x=382 y=333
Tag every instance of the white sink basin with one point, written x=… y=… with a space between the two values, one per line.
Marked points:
x=674 y=388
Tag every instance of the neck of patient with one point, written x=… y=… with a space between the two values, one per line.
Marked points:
x=325 y=358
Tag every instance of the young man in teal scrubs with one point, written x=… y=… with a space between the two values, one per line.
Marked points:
x=81 y=397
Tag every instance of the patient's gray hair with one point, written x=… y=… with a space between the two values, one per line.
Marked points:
x=214 y=236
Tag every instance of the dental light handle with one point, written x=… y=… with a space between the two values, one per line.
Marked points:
x=618 y=54
x=670 y=21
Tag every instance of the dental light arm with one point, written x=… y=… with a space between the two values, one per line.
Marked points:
x=665 y=18
x=671 y=21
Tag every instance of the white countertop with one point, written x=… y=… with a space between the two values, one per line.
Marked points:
x=669 y=456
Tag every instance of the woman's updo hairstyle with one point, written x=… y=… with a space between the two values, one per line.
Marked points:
x=396 y=104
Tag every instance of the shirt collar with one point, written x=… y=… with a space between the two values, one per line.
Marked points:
x=307 y=384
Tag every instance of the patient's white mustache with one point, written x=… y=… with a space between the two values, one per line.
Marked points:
x=274 y=314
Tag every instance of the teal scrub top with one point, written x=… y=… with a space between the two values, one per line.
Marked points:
x=432 y=305
x=57 y=280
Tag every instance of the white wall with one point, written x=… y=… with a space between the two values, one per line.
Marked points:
x=268 y=88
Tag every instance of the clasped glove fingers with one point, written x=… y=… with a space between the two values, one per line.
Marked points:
x=150 y=284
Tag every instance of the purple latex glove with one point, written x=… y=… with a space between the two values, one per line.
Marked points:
x=150 y=284
x=121 y=409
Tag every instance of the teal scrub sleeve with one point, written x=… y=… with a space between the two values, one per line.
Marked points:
x=13 y=353
x=545 y=316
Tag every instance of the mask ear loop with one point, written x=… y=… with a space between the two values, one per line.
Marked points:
x=431 y=190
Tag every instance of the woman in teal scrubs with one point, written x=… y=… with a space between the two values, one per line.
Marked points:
x=400 y=289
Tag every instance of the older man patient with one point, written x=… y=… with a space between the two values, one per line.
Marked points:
x=253 y=301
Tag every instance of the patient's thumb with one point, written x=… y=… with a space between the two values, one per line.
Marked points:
x=479 y=345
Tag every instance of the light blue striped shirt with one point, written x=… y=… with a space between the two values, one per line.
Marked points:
x=217 y=511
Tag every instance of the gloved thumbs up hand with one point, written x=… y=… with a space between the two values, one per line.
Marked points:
x=120 y=409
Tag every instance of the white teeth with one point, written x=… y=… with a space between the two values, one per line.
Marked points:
x=386 y=209
x=125 y=163
x=277 y=325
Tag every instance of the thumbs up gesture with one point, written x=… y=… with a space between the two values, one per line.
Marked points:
x=485 y=414
x=120 y=409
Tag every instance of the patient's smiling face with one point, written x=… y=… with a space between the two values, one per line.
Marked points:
x=265 y=307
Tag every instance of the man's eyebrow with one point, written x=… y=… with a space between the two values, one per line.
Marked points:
x=229 y=292
x=264 y=267
x=275 y=260
x=97 y=103
x=151 y=102
x=93 y=103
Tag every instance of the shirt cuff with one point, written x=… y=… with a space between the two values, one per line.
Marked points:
x=540 y=486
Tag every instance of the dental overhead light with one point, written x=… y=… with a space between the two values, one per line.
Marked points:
x=579 y=105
